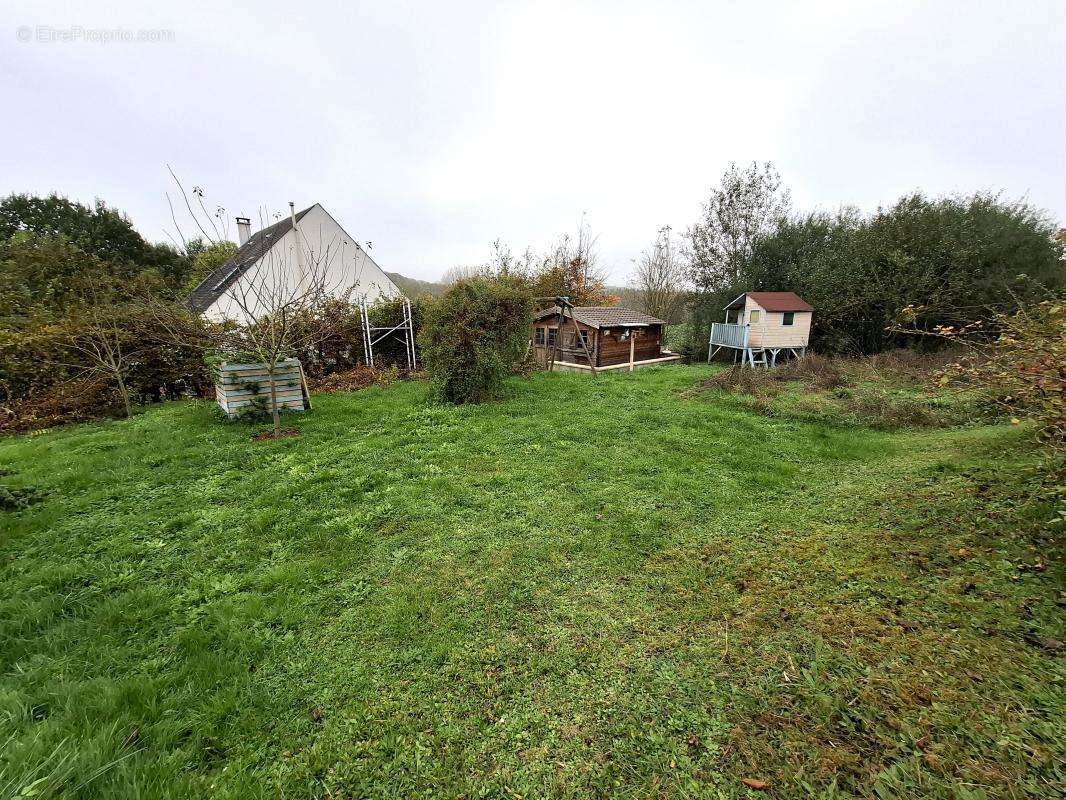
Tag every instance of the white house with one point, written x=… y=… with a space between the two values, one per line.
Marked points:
x=759 y=325
x=284 y=253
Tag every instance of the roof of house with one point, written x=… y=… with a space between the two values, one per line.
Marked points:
x=215 y=285
x=605 y=316
x=774 y=301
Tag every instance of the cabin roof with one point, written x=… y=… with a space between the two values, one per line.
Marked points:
x=773 y=301
x=604 y=316
x=259 y=243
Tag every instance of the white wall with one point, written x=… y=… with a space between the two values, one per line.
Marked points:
x=350 y=271
x=769 y=330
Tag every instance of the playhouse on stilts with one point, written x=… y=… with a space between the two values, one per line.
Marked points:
x=760 y=325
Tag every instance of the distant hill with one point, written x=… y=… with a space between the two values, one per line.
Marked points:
x=412 y=287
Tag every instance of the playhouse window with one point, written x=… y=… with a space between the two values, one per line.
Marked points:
x=753 y=316
x=788 y=318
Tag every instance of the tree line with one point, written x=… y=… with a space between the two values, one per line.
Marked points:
x=91 y=317
x=877 y=281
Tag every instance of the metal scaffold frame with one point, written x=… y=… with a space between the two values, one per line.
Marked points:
x=405 y=330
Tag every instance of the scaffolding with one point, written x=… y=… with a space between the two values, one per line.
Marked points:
x=375 y=334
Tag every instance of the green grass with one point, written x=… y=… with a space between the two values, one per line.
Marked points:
x=593 y=588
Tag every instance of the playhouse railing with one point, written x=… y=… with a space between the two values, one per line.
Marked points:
x=727 y=334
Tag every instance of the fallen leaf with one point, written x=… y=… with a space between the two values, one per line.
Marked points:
x=755 y=783
x=923 y=743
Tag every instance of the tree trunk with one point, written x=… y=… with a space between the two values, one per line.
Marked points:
x=274 y=402
x=125 y=394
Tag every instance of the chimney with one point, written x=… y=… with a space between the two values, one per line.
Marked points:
x=244 y=229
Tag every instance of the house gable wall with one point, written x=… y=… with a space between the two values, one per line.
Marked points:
x=352 y=272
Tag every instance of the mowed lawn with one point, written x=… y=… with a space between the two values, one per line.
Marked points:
x=594 y=588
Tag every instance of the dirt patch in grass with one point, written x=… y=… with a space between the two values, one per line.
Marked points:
x=286 y=433
x=361 y=377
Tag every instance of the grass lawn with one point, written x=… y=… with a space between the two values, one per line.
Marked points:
x=595 y=588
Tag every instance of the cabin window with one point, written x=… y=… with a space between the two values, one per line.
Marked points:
x=538 y=337
x=552 y=334
x=753 y=316
x=584 y=339
x=788 y=318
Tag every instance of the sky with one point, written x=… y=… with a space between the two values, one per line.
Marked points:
x=433 y=129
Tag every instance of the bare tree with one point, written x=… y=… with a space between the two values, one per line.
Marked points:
x=462 y=273
x=744 y=207
x=660 y=278
x=281 y=303
x=571 y=268
x=275 y=309
x=100 y=342
x=213 y=227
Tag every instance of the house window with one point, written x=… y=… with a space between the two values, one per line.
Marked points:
x=788 y=318
x=552 y=334
x=753 y=316
x=538 y=337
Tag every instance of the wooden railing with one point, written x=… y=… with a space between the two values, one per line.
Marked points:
x=726 y=334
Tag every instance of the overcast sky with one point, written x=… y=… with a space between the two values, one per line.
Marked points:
x=434 y=128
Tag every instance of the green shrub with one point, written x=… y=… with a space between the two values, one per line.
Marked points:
x=474 y=336
x=17 y=498
x=1023 y=372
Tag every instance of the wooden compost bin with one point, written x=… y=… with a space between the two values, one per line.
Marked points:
x=238 y=386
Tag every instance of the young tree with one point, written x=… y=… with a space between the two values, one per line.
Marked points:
x=98 y=340
x=286 y=303
x=744 y=207
x=660 y=278
x=284 y=306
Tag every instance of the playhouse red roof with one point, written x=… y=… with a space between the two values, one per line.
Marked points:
x=774 y=301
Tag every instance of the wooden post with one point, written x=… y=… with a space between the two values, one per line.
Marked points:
x=584 y=344
x=632 y=347
x=304 y=387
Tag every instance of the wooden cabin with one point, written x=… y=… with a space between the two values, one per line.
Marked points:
x=760 y=325
x=596 y=338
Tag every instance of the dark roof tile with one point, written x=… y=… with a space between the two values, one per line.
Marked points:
x=215 y=285
x=605 y=316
